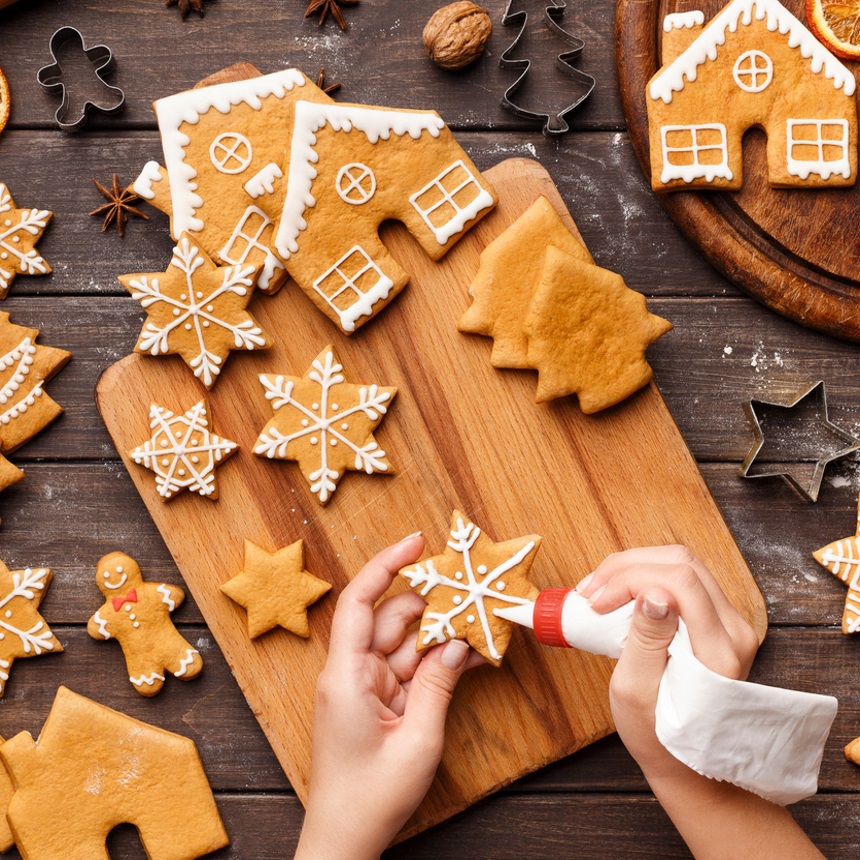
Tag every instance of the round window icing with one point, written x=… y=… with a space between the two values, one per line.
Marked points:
x=753 y=71
x=231 y=152
x=355 y=183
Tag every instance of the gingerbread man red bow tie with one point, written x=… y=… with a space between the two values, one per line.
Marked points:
x=131 y=597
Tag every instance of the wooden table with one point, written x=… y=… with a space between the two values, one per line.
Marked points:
x=77 y=502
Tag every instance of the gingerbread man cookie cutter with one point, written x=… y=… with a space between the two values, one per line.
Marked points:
x=75 y=109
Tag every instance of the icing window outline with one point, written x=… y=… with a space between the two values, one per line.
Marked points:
x=364 y=299
x=696 y=169
x=819 y=164
x=747 y=69
x=231 y=153
x=355 y=183
x=462 y=214
x=252 y=240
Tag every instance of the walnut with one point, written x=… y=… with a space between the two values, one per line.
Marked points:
x=457 y=34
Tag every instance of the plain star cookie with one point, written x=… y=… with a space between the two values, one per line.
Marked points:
x=842 y=559
x=275 y=589
x=197 y=310
x=23 y=631
x=467 y=582
x=137 y=614
x=94 y=768
x=325 y=423
x=20 y=229
x=183 y=452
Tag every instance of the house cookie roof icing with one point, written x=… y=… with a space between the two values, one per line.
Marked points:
x=741 y=13
x=189 y=107
x=376 y=123
x=686 y=20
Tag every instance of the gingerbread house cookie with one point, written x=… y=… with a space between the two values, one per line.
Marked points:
x=753 y=64
x=352 y=167
x=224 y=149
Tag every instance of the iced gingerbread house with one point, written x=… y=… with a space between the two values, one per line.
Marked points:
x=754 y=64
x=224 y=148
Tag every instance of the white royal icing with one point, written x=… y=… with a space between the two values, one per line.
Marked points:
x=185 y=662
x=120 y=584
x=102 y=625
x=742 y=13
x=683 y=20
x=25 y=584
x=376 y=124
x=151 y=173
x=824 y=168
x=188 y=107
x=29 y=221
x=231 y=153
x=753 y=71
x=695 y=170
x=263 y=182
x=21 y=358
x=149 y=680
x=164 y=591
x=355 y=183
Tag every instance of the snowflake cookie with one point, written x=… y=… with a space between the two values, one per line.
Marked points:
x=275 y=589
x=20 y=229
x=197 y=310
x=467 y=582
x=325 y=423
x=137 y=614
x=842 y=559
x=182 y=451
x=23 y=631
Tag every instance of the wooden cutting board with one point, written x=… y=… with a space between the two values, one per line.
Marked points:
x=460 y=435
x=796 y=251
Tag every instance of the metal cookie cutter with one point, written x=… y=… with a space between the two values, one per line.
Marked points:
x=553 y=123
x=820 y=441
x=86 y=91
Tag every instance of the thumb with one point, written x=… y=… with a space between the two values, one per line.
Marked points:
x=655 y=623
x=432 y=687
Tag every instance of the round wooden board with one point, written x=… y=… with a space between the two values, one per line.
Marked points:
x=796 y=251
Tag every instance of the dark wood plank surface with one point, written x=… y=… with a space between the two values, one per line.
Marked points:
x=77 y=502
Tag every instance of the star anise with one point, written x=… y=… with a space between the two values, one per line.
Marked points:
x=322 y=85
x=329 y=7
x=118 y=207
x=186 y=6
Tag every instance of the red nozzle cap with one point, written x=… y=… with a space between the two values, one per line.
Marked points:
x=548 y=617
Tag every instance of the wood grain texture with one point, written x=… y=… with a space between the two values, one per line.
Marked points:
x=460 y=435
x=775 y=244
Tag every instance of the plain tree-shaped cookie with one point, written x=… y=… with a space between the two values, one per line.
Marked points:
x=137 y=614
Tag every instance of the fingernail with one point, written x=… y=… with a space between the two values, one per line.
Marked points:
x=454 y=654
x=584 y=583
x=596 y=596
x=653 y=609
x=409 y=537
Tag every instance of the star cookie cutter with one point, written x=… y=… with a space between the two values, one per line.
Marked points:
x=74 y=110
x=553 y=13
x=817 y=395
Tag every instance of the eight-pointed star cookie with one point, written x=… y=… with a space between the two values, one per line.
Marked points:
x=325 y=423
x=23 y=631
x=842 y=559
x=275 y=589
x=467 y=582
x=182 y=451
x=20 y=229
x=197 y=310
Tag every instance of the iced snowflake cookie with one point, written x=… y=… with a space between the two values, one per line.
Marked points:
x=752 y=64
x=25 y=408
x=94 y=768
x=842 y=559
x=325 y=423
x=137 y=614
x=23 y=631
x=20 y=229
x=183 y=451
x=275 y=589
x=197 y=310
x=467 y=582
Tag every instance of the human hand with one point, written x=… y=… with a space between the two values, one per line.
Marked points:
x=379 y=718
x=665 y=582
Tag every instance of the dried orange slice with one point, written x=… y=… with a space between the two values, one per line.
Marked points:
x=4 y=100
x=837 y=24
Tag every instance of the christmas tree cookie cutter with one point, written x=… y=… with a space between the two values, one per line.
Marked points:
x=818 y=441
x=553 y=122
x=68 y=82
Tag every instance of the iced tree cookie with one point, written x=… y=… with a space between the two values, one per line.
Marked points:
x=196 y=310
x=93 y=768
x=23 y=631
x=752 y=64
x=325 y=423
x=467 y=582
x=137 y=614
x=183 y=452
x=20 y=229
x=275 y=589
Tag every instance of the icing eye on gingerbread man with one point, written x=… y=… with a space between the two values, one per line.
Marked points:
x=116 y=571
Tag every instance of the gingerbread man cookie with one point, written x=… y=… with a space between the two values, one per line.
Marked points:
x=137 y=614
